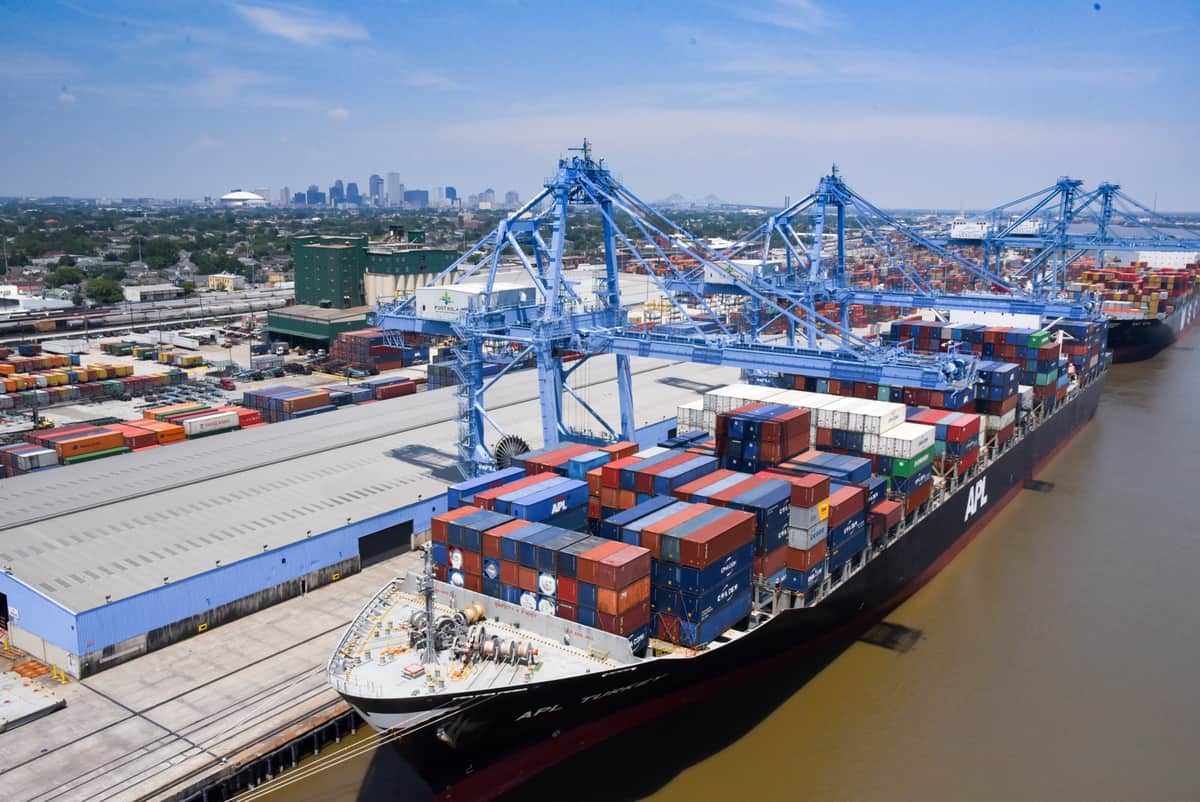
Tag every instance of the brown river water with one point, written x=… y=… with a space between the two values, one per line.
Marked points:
x=1058 y=657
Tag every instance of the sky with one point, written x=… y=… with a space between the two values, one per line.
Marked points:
x=920 y=104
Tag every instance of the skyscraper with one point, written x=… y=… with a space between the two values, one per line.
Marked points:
x=285 y=195
x=337 y=193
x=315 y=196
x=299 y=199
x=352 y=195
x=395 y=190
x=451 y=194
x=416 y=198
x=512 y=199
x=375 y=188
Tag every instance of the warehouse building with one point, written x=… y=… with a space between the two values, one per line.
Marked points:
x=104 y=561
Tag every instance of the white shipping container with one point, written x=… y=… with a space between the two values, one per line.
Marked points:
x=206 y=424
x=804 y=518
x=689 y=417
x=997 y=422
x=904 y=441
x=32 y=460
x=653 y=451
x=804 y=539
x=448 y=302
x=723 y=399
x=1026 y=397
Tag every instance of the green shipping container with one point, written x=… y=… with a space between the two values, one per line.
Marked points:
x=905 y=468
x=95 y=455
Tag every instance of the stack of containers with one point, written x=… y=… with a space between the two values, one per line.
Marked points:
x=1085 y=344
x=614 y=527
x=904 y=454
x=464 y=492
x=612 y=584
x=282 y=403
x=544 y=497
x=996 y=398
x=896 y=394
x=957 y=436
x=759 y=435
x=163 y=431
x=807 y=533
x=214 y=422
x=847 y=524
x=655 y=471
x=552 y=460
x=765 y=496
x=462 y=534
x=21 y=458
x=701 y=568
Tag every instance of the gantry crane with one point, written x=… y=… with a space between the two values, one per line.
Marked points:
x=562 y=317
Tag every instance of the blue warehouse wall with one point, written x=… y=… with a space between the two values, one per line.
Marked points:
x=39 y=615
x=181 y=599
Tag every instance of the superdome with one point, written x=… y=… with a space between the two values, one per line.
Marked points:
x=240 y=198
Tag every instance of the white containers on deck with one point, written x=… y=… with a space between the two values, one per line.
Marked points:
x=725 y=399
x=692 y=416
x=904 y=441
x=860 y=415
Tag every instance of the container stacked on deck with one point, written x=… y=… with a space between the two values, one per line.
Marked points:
x=653 y=471
x=79 y=442
x=1084 y=344
x=1136 y=291
x=759 y=435
x=557 y=571
x=21 y=458
x=957 y=436
x=768 y=498
x=701 y=566
x=543 y=497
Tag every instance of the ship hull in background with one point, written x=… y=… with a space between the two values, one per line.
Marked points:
x=498 y=742
x=1136 y=340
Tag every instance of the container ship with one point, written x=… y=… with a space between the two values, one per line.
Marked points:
x=585 y=589
x=1147 y=308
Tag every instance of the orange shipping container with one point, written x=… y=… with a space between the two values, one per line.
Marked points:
x=615 y=602
x=163 y=431
x=88 y=444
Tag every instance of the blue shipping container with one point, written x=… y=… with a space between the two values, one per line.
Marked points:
x=697 y=607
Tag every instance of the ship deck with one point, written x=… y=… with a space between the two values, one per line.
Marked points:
x=374 y=658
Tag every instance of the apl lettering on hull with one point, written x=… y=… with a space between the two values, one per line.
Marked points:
x=976 y=498
x=603 y=695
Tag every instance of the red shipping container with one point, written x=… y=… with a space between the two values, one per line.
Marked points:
x=593 y=507
x=767 y=565
x=644 y=481
x=652 y=535
x=684 y=492
x=808 y=489
x=527 y=579
x=806 y=559
x=616 y=499
x=594 y=477
x=439 y=573
x=469 y=562
x=710 y=543
x=509 y=573
x=888 y=513
x=473 y=582
x=615 y=602
x=568 y=590
x=844 y=502
x=587 y=563
x=487 y=498
x=918 y=498
x=626 y=623
x=610 y=474
x=620 y=449
x=566 y=610
x=621 y=568
x=394 y=390
x=557 y=459
x=437 y=524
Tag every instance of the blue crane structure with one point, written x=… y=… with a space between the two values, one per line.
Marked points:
x=789 y=261
x=1063 y=222
x=566 y=317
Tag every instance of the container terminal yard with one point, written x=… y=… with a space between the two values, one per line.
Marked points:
x=187 y=599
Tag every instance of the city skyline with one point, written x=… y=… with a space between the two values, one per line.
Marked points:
x=951 y=106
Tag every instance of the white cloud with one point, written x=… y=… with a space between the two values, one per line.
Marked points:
x=339 y=114
x=428 y=79
x=795 y=15
x=300 y=25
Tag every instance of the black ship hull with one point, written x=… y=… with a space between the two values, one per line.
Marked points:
x=1136 y=340
x=495 y=743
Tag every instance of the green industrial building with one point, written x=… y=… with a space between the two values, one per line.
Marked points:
x=332 y=277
